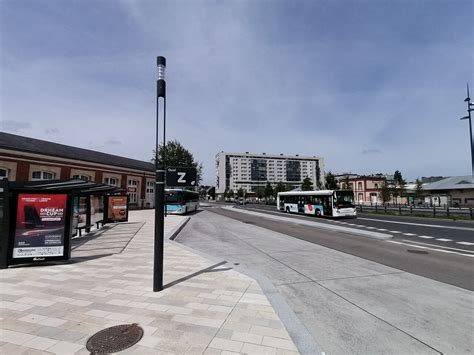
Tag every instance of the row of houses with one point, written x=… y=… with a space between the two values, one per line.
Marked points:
x=449 y=191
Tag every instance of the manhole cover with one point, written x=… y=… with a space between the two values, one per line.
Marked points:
x=417 y=251
x=114 y=339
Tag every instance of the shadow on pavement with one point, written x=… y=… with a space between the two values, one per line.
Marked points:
x=211 y=268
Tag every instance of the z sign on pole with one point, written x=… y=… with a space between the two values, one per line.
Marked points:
x=180 y=177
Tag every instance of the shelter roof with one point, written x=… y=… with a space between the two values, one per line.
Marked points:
x=77 y=186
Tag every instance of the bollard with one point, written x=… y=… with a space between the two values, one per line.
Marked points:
x=375 y=208
x=411 y=209
x=470 y=211
x=447 y=211
x=399 y=210
x=385 y=207
x=434 y=211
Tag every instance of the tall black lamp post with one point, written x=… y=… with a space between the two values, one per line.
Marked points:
x=468 y=117
x=160 y=181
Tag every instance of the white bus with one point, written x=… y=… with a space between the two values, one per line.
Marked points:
x=328 y=203
x=180 y=201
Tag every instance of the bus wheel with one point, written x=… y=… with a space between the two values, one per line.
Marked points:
x=288 y=210
x=318 y=213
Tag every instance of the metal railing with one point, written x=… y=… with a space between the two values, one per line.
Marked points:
x=420 y=210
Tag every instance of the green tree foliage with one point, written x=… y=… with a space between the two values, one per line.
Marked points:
x=385 y=192
x=240 y=192
x=230 y=194
x=212 y=193
x=260 y=193
x=307 y=184
x=268 y=190
x=331 y=183
x=419 y=189
x=397 y=176
x=346 y=185
x=280 y=187
x=176 y=155
x=402 y=188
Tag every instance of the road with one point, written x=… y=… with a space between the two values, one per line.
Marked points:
x=436 y=233
x=352 y=294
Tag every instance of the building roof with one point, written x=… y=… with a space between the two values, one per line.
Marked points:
x=31 y=145
x=451 y=183
x=270 y=156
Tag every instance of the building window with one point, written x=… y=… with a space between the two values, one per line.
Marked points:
x=42 y=175
x=132 y=190
x=359 y=186
x=111 y=181
x=3 y=173
x=82 y=177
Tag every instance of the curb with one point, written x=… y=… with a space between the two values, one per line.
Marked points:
x=334 y=228
x=178 y=228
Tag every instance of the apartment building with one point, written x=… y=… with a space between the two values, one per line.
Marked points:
x=252 y=171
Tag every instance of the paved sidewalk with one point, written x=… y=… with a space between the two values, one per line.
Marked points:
x=206 y=308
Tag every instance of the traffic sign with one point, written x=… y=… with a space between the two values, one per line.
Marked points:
x=181 y=177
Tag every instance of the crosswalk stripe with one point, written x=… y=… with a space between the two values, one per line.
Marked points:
x=465 y=243
x=409 y=234
x=425 y=237
x=444 y=240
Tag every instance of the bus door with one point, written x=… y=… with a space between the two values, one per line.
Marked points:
x=327 y=205
x=301 y=203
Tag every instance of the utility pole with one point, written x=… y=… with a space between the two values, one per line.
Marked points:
x=468 y=117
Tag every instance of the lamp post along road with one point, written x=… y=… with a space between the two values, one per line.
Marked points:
x=160 y=181
x=468 y=117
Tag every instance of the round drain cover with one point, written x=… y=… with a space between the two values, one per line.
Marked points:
x=114 y=339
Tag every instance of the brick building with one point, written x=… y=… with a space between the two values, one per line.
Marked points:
x=28 y=159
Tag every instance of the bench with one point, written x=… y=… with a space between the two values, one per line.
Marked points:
x=101 y=222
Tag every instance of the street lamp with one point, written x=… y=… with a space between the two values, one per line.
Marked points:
x=160 y=180
x=468 y=117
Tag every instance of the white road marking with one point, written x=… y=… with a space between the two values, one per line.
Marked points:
x=439 y=246
x=395 y=232
x=465 y=243
x=371 y=228
x=440 y=250
x=409 y=234
x=425 y=237
x=444 y=240
x=417 y=224
x=382 y=230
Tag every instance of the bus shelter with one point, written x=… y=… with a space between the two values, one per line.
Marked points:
x=39 y=218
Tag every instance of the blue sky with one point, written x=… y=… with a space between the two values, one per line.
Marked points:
x=372 y=86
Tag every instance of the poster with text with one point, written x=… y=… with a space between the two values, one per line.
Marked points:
x=117 y=208
x=40 y=225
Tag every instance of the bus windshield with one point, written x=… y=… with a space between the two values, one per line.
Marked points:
x=174 y=197
x=344 y=199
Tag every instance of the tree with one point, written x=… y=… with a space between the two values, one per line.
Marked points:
x=346 y=183
x=260 y=193
x=397 y=176
x=402 y=188
x=240 y=192
x=212 y=193
x=280 y=187
x=230 y=194
x=307 y=184
x=176 y=155
x=385 y=192
x=418 y=189
x=268 y=190
x=331 y=183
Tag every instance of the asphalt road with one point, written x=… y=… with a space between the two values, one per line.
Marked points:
x=445 y=265
x=437 y=233
x=353 y=294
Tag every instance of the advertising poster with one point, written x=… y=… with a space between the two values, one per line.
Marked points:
x=40 y=225
x=117 y=208
x=97 y=209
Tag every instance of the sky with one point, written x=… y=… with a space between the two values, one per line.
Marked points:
x=372 y=86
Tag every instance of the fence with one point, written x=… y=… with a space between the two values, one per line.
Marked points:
x=420 y=210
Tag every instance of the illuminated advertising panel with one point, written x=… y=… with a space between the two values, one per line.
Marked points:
x=117 y=208
x=40 y=225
